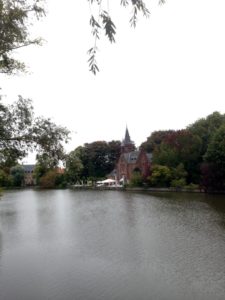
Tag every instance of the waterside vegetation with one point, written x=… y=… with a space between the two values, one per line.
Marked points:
x=191 y=158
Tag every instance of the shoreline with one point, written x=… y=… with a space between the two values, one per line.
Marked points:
x=119 y=188
x=146 y=189
x=139 y=189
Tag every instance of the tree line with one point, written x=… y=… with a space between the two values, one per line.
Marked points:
x=194 y=155
x=90 y=162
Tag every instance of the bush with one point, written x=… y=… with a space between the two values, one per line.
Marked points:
x=160 y=176
x=60 y=181
x=192 y=187
x=5 y=179
x=178 y=183
x=48 y=180
x=136 y=179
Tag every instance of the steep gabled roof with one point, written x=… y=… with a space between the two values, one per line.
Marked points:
x=131 y=157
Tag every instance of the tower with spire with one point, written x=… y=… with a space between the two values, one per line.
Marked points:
x=132 y=161
x=127 y=144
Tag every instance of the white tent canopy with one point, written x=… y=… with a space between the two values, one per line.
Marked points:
x=107 y=182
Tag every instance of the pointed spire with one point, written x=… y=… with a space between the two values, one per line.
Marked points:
x=127 y=139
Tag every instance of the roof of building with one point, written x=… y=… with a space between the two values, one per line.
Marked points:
x=132 y=157
x=28 y=168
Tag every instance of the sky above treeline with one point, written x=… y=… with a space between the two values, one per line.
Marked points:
x=165 y=74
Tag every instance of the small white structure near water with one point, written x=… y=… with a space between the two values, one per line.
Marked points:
x=107 y=182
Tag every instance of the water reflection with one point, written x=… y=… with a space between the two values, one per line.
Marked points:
x=8 y=215
x=1 y=245
x=218 y=205
x=111 y=245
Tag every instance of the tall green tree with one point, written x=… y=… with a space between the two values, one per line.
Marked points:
x=214 y=172
x=74 y=166
x=216 y=148
x=15 y=19
x=21 y=132
x=205 y=128
x=181 y=146
x=98 y=158
x=154 y=141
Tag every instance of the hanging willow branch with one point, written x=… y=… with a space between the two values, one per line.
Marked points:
x=108 y=26
x=103 y=23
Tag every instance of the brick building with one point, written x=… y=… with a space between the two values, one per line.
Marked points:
x=132 y=160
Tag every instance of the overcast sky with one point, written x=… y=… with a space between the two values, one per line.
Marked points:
x=165 y=74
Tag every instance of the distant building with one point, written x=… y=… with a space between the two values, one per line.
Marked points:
x=132 y=160
x=28 y=172
x=29 y=179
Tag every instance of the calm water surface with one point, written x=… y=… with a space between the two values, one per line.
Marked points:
x=111 y=245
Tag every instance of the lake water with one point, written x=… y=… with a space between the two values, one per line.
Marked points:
x=104 y=245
